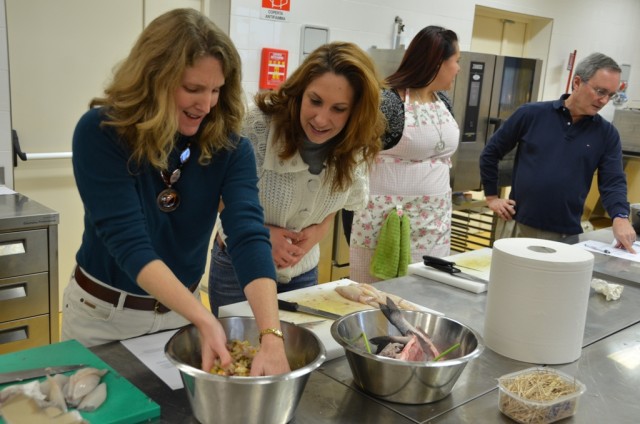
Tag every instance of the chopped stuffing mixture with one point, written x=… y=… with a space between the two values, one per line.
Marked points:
x=242 y=353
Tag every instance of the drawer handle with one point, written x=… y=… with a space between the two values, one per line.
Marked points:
x=14 y=248
x=13 y=292
x=14 y=335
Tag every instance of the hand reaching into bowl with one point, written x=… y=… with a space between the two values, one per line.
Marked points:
x=214 y=343
x=271 y=358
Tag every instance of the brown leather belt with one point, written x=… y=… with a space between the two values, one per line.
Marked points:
x=112 y=296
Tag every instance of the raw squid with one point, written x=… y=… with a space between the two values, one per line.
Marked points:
x=60 y=379
x=369 y=295
x=82 y=383
x=50 y=399
x=94 y=399
x=55 y=395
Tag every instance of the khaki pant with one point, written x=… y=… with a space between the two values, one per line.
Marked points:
x=92 y=321
x=511 y=229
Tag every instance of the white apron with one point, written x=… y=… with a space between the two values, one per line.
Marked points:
x=414 y=174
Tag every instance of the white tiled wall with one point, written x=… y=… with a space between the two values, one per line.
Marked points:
x=582 y=25
x=6 y=160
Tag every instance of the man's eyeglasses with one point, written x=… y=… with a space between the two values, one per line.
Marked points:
x=601 y=92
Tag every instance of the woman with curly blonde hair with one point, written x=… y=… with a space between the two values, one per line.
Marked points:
x=314 y=139
x=150 y=211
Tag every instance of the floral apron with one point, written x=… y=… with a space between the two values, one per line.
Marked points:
x=413 y=176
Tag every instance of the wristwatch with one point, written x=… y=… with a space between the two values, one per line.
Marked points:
x=620 y=215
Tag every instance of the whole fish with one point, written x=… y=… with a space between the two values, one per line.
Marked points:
x=395 y=317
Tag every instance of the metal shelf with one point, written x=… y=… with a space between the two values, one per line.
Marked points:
x=472 y=227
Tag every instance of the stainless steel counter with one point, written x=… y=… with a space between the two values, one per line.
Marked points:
x=610 y=370
x=19 y=211
x=28 y=274
x=480 y=377
x=609 y=367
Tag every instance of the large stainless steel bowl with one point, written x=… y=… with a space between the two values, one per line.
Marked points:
x=271 y=399
x=404 y=381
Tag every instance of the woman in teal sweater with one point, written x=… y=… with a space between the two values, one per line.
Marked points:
x=152 y=163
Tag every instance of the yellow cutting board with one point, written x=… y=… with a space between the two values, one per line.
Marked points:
x=474 y=262
x=321 y=296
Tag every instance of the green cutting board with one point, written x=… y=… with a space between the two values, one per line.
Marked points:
x=125 y=403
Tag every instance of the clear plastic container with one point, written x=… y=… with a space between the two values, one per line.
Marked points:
x=528 y=411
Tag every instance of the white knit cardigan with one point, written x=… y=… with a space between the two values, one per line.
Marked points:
x=291 y=196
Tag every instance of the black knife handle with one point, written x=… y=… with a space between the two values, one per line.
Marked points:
x=285 y=305
x=449 y=269
x=432 y=260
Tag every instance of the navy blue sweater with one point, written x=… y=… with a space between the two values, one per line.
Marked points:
x=554 y=165
x=124 y=229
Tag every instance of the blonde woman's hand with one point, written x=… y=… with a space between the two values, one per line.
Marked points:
x=271 y=358
x=160 y=282
x=213 y=341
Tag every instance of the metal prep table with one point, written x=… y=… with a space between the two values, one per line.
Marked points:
x=28 y=274
x=609 y=367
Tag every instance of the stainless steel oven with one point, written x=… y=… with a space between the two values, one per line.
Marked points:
x=487 y=90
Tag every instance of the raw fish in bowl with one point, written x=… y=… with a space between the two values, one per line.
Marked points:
x=424 y=357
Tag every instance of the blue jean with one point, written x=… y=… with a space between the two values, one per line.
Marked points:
x=224 y=287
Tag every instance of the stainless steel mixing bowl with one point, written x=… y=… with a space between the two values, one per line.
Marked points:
x=271 y=399
x=404 y=381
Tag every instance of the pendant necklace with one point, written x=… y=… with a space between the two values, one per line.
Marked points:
x=169 y=198
x=440 y=145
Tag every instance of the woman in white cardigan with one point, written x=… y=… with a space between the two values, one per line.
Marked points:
x=314 y=139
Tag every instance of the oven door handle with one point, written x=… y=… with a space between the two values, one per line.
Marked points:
x=496 y=122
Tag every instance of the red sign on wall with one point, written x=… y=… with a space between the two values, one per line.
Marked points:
x=273 y=68
x=276 y=4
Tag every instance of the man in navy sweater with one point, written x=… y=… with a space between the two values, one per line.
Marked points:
x=560 y=144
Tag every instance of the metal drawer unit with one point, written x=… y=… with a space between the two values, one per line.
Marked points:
x=28 y=274
x=472 y=226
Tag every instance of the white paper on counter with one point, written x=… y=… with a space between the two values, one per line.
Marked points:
x=609 y=249
x=150 y=351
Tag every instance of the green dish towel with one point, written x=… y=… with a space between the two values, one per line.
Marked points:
x=393 y=252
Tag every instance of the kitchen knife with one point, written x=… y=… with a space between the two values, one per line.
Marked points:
x=285 y=305
x=449 y=267
x=17 y=376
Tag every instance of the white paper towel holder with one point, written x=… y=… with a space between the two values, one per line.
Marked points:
x=537 y=300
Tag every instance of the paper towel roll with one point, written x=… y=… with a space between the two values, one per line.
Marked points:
x=537 y=300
